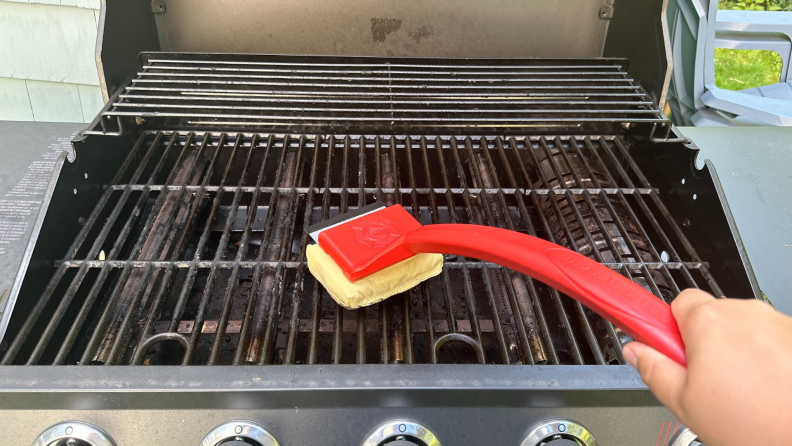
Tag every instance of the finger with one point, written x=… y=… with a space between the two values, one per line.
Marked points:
x=685 y=302
x=664 y=377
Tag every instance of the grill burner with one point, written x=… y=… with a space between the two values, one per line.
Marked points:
x=195 y=252
x=568 y=170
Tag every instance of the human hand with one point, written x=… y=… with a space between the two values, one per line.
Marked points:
x=737 y=387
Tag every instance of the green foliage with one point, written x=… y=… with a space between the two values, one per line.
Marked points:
x=742 y=69
x=756 y=5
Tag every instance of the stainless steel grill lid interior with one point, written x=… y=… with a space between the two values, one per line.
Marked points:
x=355 y=28
x=176 y=236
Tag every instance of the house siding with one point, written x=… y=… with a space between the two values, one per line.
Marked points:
x=47 y=66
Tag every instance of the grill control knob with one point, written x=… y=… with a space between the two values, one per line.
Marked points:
x=74 y=433
x=402 y=433
x=240 y=433
x=559 y=432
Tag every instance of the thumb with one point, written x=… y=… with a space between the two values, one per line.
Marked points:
x=664 y=377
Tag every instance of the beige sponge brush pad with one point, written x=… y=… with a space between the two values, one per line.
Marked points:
x=371 y=289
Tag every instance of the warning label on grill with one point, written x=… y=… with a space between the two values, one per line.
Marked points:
x=12 y=230
x=19 y=206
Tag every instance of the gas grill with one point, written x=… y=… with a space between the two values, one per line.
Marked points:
x=176 y=237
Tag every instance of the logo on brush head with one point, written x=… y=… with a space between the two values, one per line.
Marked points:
x=376 y=232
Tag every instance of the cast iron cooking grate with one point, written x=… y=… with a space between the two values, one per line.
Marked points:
x=195 y=252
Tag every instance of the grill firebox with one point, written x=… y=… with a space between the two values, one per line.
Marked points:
x=195 y=252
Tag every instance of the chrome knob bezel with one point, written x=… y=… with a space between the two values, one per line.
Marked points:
x=76 y=430
x=240 y=428
x=396 y=428
x=563 y=427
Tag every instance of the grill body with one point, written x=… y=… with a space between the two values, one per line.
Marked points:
x=193 y=251
x=176 y=237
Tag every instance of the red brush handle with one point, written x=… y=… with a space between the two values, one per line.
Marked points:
x=614 y=297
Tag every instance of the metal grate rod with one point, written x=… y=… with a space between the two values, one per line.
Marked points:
x=112 y=315
x=367 y=94
x=523 y=212
x=361 y=312
x=446 y=284
x=229 y=264
x=174 y=76
x=470 y=121
x=156 y=308
x=291 y=70
x=292 y=73
x=493 y=282
x=271 y=285
x=123 y=337
x=607 y=64
x=392 y=327
x=425 y=290
x=517 y=288
x=469 y=297
x=144 y=343
x=294 y=321
x=584 y=322
x=158 y=235
x=573 y=346
x=553 y=84
x=233 y=281
x=240 y=355
x=233 y=96
x=369 y=111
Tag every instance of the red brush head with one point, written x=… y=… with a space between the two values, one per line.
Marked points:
x=370 y=242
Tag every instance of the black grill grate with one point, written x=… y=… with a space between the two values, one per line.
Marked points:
x=326 y=94
x=195 y=252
